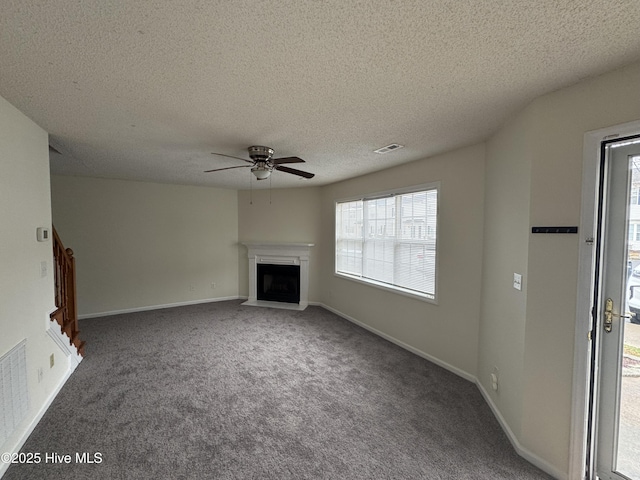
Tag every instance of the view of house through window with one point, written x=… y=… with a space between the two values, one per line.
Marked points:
x=628 y=458
x=390 y=240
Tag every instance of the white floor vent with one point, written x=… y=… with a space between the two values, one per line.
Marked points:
x=14 y=394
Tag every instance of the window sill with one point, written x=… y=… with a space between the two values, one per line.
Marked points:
x=388 y=288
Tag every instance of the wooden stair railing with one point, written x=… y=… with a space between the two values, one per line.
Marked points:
x=66 y=313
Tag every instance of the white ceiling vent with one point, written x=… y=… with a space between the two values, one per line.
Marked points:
x=389 y=148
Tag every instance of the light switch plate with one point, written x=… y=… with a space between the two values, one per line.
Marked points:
x=517 y=281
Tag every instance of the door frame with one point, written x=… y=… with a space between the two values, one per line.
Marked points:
x=583 y=379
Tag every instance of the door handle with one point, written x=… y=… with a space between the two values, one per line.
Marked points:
x=608 y=315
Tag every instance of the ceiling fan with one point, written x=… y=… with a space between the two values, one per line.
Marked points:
x=262 y=163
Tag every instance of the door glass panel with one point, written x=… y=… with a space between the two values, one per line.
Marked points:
x=628 y=438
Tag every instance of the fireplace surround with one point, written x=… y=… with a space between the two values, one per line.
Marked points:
x=284 y=260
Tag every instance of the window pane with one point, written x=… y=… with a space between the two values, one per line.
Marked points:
x=390 y=240
x=415 y=268
x=349 y=237
x=378 y=264
x=378 y=245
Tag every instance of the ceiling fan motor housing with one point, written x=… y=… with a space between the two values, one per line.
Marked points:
x=260 y=154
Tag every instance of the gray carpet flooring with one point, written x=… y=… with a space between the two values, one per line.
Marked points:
x=224 y=391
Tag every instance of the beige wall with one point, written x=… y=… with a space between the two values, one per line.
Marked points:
x=447 y=331
x=549 y=135
x=139 y=245
x=561 y=119
x=26 y=297
x=506 y=242
x=284 y=215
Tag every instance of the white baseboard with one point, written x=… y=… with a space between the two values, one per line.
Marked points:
x=523 y=452
x=406 y=346
x=520 y=450
x=158 y=307
x=28 y=429
x=63 y=342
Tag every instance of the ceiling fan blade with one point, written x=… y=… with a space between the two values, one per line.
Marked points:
x=279 y=161
x=231 y=156
x=300 y=173
x=226 y=168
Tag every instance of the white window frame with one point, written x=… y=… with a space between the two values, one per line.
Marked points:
x=426 y=297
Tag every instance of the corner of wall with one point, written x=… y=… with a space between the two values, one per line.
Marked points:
x=26 y=280
x=505 y=253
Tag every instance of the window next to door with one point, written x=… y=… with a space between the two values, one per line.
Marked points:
x=389 y=240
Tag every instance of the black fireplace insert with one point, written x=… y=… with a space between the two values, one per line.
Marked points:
x=278 y=283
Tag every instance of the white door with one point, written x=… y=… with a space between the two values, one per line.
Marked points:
x=617 y=434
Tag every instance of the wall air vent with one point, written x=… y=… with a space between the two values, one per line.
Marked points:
x=389 y=148
x=14 y=393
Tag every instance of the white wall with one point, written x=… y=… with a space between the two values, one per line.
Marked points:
x=26 y=297
x=284 y=215
x=140 y=245
x=447 y=331
x=546 y=143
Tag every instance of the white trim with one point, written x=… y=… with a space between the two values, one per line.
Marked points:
x=158 y=307
x=278 y=254
x=388 y=287
x=424 y=187
x=64 y=343
x=581 y=357
x=406 y=346
x=520 y=450
x=28 y=429
x=394 y=191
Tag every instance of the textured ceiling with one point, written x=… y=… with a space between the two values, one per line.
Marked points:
x=146 y=90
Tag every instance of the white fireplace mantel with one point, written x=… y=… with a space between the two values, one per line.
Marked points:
x=279 y=254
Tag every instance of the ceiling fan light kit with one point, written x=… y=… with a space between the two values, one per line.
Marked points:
x=261 y=172
x=262 y=163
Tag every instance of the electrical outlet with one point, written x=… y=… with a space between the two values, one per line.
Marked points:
x=191 y=288
x=52 y=361
x=40 y=374
x=517 y=281
x=494 y=379
x=213 y=285
x=43 y=269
